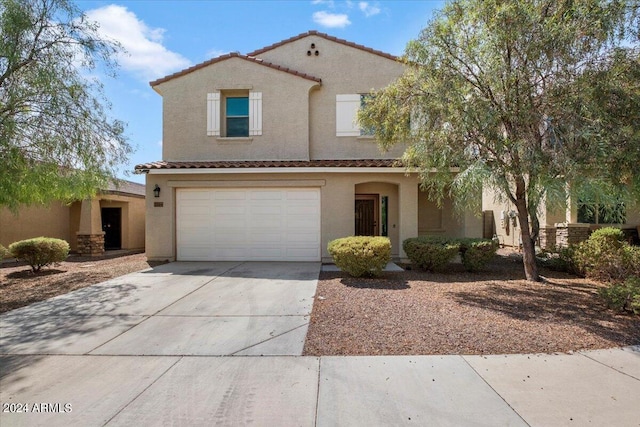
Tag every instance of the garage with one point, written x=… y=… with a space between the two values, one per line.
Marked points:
x=248 y=224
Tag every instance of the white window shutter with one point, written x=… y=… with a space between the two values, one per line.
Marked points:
x=213 y=114
x=255 y=113
x=347 y=107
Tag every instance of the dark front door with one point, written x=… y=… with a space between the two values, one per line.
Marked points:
x=112 y=227
x=366 y=215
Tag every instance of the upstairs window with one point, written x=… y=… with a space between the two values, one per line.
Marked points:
x=237 y=116
x=347 y=106
x=234 y=114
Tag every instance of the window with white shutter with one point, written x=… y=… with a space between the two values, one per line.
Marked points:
x=347 y=106
x=255 y=113
x=213 y=114
x=234 y=114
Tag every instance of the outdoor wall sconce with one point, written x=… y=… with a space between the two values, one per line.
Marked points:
x=156 y=191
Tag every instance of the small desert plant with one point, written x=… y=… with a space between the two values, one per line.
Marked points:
x=361 y=255
x=3 y=252
x=477 y=253
x=40 y=251
x=623 y=296
x=430 y=254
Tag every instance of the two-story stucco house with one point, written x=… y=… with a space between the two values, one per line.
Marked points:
x=263 y=158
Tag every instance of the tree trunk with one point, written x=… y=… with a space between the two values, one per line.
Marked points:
x=528 y=244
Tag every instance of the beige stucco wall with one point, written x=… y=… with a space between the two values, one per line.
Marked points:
x=63 y=221
x=343 y=70
x=434 y=220
x=547 y=217
x=337 y=204
x=285 y=114
x=298 y=115
x=34 y=221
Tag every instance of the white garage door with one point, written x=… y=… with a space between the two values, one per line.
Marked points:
x=256 y=224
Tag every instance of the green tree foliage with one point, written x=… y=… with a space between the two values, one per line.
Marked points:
x=522 y=97
x=57 y=140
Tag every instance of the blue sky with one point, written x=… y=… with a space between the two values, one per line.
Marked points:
x=162 y=37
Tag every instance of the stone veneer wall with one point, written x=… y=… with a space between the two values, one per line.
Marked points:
x=548 y=238
x=91 y=244
x=569 y=234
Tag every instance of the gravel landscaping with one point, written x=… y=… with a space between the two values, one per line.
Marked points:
x=409 y=312
x=20 y=287
x=493 y=312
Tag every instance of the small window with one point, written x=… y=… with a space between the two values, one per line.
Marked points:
x=234 y=114
x=237 y=116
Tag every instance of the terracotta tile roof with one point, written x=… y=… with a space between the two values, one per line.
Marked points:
x=235 y=55
x=358 y=163
x=325 y=36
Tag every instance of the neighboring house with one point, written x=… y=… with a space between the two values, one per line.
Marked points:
x=263 y=158
x=113 y=219
x=558 y=228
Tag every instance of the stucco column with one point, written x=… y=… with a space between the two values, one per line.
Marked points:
x=408 y=200
x=90 y=235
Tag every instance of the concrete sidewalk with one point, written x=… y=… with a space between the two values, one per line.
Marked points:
x=181 y=345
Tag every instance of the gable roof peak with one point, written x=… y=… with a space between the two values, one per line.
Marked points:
x=324 y=36
x=226 y=56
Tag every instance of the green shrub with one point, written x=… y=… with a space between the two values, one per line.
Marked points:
x=623 y=296
x=361 y=255
x=40 y=252
x=561 y=259
x=606 y=256
x=477 y=253
x=431 y=254
x=631 y=260
x=3 y=252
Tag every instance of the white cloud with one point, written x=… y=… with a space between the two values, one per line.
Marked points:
x=331 y=20
x=214 y=53
x=329 y=3
x=145 y=55
x=159 y=143
x=368 y=9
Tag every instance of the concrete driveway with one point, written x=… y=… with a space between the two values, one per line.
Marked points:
x=181 y=345
x=205 y=309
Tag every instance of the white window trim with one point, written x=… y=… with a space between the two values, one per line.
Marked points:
x=214 y=114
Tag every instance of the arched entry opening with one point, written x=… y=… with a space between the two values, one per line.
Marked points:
x=376 y=211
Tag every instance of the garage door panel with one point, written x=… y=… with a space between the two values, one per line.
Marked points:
x=275 y=209
x=266 y=237
x=248 y=224
x=303 y=195
x=229 y=210
x=229 y=195
x=228 y=254
x=302 y=237
x=195 y=236
x=266 y=195
x=194 y=195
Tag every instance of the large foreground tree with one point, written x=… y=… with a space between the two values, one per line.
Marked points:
x=537 y=99
x=57 y=140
